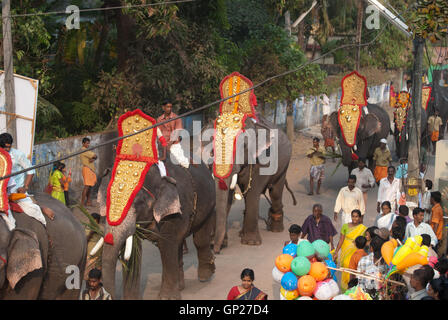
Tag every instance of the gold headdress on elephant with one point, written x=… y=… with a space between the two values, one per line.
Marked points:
x=135 y=156
x=5 y=169
x=426 y=96
x=402 y=106
x=231 y=121
x=353 y=99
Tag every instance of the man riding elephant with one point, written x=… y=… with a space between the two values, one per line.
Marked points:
x=21 y=182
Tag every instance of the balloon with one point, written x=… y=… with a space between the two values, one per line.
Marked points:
x=331 y=263
x=342 y=297
x=423 y=251
x=306 y=285
x=289 y=281
x=305 y=249
x=387 y=251
x=283 y=262
x=300 y=266
x=288 y=294
x=403 y=252
x=325 y=290
x=290 y=249
x=411 y=260
x=304 y=298
x=318 y=271
x=277 y=275
x=418 y=239
x=322 y=248
x=394 y=241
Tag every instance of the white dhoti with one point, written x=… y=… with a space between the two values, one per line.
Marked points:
x=31 y=209
x=9 y=219
x=346 y=218
x=178 y=157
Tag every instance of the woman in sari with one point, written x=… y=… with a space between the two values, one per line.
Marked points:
x=346 y=244
x=246 y=291
x=57 y=182
x=385 y=218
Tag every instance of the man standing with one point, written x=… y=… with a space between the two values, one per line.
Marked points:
x=434 y=124
x=88 y=171
x=171 y=135
x=389 y=190
x=418 y=227
x=408 y=86
x=381 y=160
x=95 y=289
x=318 y=226
x=364 y=178
x=349 y=198
x=317 y=159
x=437 y=214
x=20 y=183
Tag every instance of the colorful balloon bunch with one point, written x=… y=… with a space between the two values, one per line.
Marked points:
x=302 y=271
x=405 y=256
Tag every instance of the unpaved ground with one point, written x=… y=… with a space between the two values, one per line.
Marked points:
x=236 y=256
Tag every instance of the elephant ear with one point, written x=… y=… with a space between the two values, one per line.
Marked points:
x=23 y=255
x=167 y=202
x=371 y=125
x=334 y=122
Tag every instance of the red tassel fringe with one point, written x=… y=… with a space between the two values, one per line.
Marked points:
x=222 y=184
x=109 y=239
x=354 y=157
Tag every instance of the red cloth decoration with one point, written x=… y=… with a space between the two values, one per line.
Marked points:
x=109 y=239
x=163 y=141
x=222 y=184
x=3 y=259
x=354 y=157
x=14 y=207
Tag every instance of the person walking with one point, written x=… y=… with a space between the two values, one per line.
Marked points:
x=349 y=198
x=88 y=171
x=434 y=124
x=364 y=178
x=57 y=182
x=389 y=190
x=318 y=226
x=417 y=227
x=381 y=160
x=317 y=160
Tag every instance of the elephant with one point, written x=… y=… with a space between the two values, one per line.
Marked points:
x=439 y=100
x=172 y=208
x=372 y=128
x=253 y=184
x=402 y=141
x=35 y=259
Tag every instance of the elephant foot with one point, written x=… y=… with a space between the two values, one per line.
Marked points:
x=206 y=271
x=251 y=239
x=275 y=222
x=165 y=295
x=181 y=284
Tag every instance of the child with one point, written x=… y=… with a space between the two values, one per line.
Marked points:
x=294 y=234
x=360 y=243
x=66 y=179
x=403 y=211
x=425 y=201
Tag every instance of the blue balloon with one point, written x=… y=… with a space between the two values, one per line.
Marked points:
x=290 y=249
x=289 y=281
x=330 y=263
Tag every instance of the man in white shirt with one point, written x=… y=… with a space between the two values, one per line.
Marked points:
x=389 y=190
x=408 y=86
x=349 y=199
x=364 y=178
x=418 y=227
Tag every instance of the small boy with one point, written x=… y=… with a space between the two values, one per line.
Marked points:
x=419 y=280
x=294 y=234
x=403 y=211
x=360 y=243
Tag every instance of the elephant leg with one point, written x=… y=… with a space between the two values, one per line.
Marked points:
x=206 y=259
x=251 y=234
x=169 y=248
x=181 y=267
x=275 y=220
x=27 y=288
x=131 y=279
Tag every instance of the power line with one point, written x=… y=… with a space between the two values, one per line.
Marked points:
x=99 y=9
x=197 y=109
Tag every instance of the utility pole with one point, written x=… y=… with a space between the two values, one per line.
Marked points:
x=10 y=102
x=359 y=32
x=415 y=116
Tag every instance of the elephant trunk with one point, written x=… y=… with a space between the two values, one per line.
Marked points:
x=109 y=262
x=222 y=207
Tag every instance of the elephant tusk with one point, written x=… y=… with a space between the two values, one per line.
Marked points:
x=97 y=247
x=128 y=248
x=233 y=183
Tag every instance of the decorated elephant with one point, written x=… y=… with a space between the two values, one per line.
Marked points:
x=243 y=162
x=137 y=196
x=401 y=125
x=37 y=261
x=439 y=98
x=359 y=126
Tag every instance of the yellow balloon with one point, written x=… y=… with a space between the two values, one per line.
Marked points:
x=387 y=251
x=418 y=239
x=289 y=295
x=401 y=254
x=423 y=251
x=411 y=260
